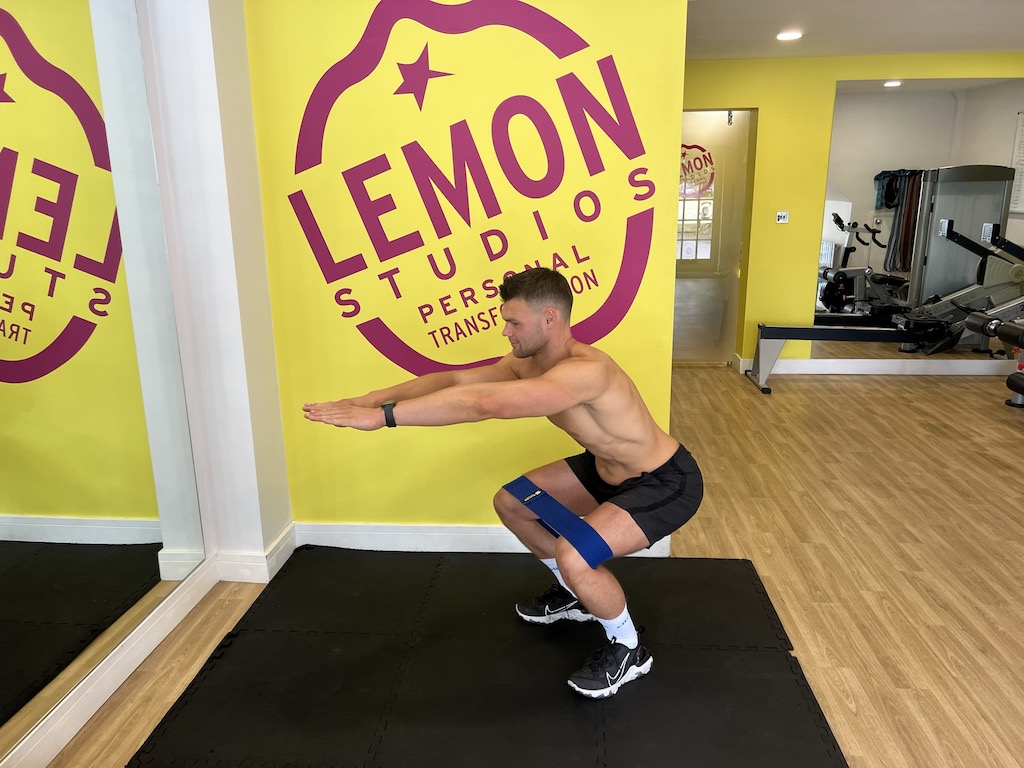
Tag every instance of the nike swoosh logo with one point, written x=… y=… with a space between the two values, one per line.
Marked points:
x=622 y=668
x=549 y=612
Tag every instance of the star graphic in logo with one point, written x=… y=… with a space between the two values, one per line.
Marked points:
x=415 y=77
x=4 y=96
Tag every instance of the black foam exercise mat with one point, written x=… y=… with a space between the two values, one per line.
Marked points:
x=477 y=593
x=13 y=553
x=55 y=599
x=78 y=583
x=459 y=680
x=704 y=706
x=364 y=700
x=324 y=589
x=694 y=601
x=33 y=655
x=719 y=707
x=706 y=601
x=282 y=698
x=700 y=601
x=502 y=704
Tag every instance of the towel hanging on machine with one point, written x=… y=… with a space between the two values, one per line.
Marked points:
x=899 y=191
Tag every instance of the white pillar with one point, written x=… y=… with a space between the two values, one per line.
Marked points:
x=206 y=159
x=123 y=89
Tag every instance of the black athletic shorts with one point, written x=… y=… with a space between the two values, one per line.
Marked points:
x=660 y=501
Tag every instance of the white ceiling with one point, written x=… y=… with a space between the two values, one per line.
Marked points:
x=746 y=29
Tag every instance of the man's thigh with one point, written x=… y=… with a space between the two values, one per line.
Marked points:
x=612 y=523
x=618 y=528
x=561 y=484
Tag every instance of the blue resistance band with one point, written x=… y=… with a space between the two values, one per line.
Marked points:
x=561 y=521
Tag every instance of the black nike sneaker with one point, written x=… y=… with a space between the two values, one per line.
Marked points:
x=556 y=604
x=609 y=667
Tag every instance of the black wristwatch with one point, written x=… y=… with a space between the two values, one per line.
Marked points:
x=389 y=414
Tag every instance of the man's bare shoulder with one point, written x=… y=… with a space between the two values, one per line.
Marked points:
x=587 y=367
x=523 y=368
x=500 y=370
x=586 y=356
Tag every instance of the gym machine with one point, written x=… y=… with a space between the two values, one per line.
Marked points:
x=859 y=295
x=860 y=292
x=1012 y=336
x=998 y=289
x=975 y=195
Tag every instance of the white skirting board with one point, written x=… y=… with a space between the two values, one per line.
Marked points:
x=424 y=538
x=79 y=530
x=257 y=567
x=176 y=564
x=888 y=367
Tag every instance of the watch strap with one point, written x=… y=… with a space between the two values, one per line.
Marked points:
x=389 y=414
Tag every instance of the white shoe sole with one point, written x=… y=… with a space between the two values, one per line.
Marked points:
x=573 y=615
x=603 y=693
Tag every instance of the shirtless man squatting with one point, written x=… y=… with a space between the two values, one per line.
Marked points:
x=633 y=485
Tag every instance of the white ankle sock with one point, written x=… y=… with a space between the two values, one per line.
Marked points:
x=621 y=629
x=551 y=563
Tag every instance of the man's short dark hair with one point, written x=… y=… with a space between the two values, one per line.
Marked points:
x=539 y=286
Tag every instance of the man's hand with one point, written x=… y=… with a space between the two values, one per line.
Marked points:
x=345 y=413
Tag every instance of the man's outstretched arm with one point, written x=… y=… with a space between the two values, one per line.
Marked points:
x=418 y=387
x=556 y=391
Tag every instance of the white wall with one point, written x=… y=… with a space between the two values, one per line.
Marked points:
x=989 y=129
x=887 y=131
x=911 y=129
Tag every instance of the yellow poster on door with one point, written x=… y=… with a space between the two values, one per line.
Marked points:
x=413 y=153
x=72 y=424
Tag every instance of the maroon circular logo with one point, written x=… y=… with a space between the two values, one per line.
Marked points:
x=47 y=267
x=576 y=128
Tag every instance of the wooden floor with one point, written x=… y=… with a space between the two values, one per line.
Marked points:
x=884 y=516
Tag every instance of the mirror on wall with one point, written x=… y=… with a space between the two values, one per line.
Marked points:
x=99 y=517
x=885 y=140
x=715 y=170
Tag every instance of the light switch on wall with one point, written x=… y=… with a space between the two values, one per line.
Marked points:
x=782 y=217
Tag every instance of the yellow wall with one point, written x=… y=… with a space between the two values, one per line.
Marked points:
x=73 y=440
x=448 y=475
x=795 y=100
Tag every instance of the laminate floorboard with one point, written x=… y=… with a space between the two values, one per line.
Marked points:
x=884 y=514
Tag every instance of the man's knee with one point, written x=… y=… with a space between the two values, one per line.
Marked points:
x=570 y=561
x=508 y=507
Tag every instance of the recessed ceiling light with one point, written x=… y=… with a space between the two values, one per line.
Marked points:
x=793 y=35
x=893 y=84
